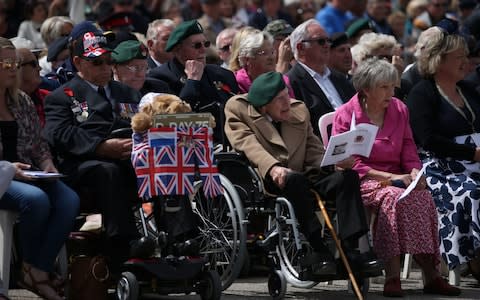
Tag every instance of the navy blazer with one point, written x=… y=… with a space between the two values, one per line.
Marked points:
x=306 y=89
x=76 y=141
x=217 y=85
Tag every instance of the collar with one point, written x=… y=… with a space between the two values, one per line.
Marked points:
x=312 y=73
x=95 y=87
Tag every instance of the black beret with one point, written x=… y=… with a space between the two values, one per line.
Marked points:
x=265 y=87
x=338 y=38
x=183 y=31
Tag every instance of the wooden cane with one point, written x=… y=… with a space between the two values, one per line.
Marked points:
x=339 y=246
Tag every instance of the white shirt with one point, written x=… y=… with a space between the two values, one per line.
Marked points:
x=326 y=85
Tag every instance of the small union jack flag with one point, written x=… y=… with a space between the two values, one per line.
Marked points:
x=168 y=159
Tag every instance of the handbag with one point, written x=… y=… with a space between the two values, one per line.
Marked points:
x=89 y=277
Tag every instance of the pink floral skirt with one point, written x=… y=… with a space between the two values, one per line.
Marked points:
x=405 y=226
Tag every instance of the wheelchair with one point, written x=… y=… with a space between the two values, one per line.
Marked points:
x=209 y=257
x=281 y=240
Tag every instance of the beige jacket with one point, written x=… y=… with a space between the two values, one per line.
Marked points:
x=253 y=134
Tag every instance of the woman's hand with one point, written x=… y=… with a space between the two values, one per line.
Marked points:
x=19 y=174
x=48 y=166
x=405 y=178
x=422 y=182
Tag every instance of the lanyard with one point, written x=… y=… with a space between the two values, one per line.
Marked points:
x=461 y=112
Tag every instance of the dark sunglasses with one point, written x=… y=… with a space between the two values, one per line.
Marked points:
x=320 y=41
x=100 y=62
x=225 y=48
x=32 y=63
x=199 y=45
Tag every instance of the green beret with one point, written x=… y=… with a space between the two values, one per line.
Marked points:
x=265 y=87
x=357 y=26
x=183 y=31
x=128 y=50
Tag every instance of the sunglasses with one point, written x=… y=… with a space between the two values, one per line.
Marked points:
x=320 y=41
x=225 y=48
x=100 y=62
x=199 y=45
x=8 y=64
x=137 y=69
x=32 y=63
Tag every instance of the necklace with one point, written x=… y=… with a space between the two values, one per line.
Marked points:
x=460 y=111
x=376 y=119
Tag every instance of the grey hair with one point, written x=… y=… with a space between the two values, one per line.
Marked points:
x=439 y=45
x=299 y=34
x=153 y=27
x=251 y=43
x=372 y=72
x=230 y=31
x=14 y=91
x=375 y=41
x=51 y=28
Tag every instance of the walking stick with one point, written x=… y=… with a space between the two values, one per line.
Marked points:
x=339 y=246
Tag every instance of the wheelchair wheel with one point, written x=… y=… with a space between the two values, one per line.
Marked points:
x=288 y=253
x=277 y=285
x=128 y=287
x=222 y=231
x=211 y=289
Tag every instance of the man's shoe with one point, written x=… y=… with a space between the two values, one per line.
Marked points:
x=392 y=287
x=440 y=286
x=319 y=263
x=366 y=262
x=142 y=248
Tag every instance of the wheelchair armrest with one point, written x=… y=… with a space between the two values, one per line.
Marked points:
x=121 y=133
x=237 y=157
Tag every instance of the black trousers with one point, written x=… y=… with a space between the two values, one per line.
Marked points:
x=113 y=187
x=340 y=190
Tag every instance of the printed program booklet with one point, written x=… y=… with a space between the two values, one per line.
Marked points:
x=358 y=141
x=42 y=174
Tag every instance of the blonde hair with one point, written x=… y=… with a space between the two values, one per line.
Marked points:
x=10 y=92
x=234 y=64
x=439 y=44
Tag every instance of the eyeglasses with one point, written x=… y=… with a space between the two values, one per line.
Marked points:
x=225 y=48
x=320 y=41
x=199 y=45
x=32 y=63
x=137 y=69
x=100 y=62
x=8 y=64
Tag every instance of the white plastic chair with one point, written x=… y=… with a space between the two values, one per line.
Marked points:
x=323 y=123
x=7 y=219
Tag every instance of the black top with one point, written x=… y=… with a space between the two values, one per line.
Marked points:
x=435 y=122
x=9 y=133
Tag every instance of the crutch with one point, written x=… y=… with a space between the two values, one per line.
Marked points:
x=339 y=246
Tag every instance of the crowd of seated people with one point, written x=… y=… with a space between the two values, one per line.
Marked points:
x=86 y=82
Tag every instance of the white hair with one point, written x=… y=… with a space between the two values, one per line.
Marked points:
x=300 y=34
x=153 y=27
x=251 y=44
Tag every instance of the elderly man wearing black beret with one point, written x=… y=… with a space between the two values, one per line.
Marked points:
x=275 y=134
x=189 y=77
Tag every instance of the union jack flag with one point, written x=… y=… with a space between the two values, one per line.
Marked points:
x=168 y=159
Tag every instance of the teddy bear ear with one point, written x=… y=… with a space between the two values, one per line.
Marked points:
x=147 y=108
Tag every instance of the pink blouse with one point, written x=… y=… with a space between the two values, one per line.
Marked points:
x=394 y=149
x=244 y=82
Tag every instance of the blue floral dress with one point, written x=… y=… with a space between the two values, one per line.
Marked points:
x=455 y=189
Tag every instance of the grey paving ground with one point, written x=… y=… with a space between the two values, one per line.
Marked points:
x=255 y=287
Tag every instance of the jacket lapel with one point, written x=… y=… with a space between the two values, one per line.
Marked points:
x=311 y=85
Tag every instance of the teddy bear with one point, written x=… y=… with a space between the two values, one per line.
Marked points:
x=160 y=104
